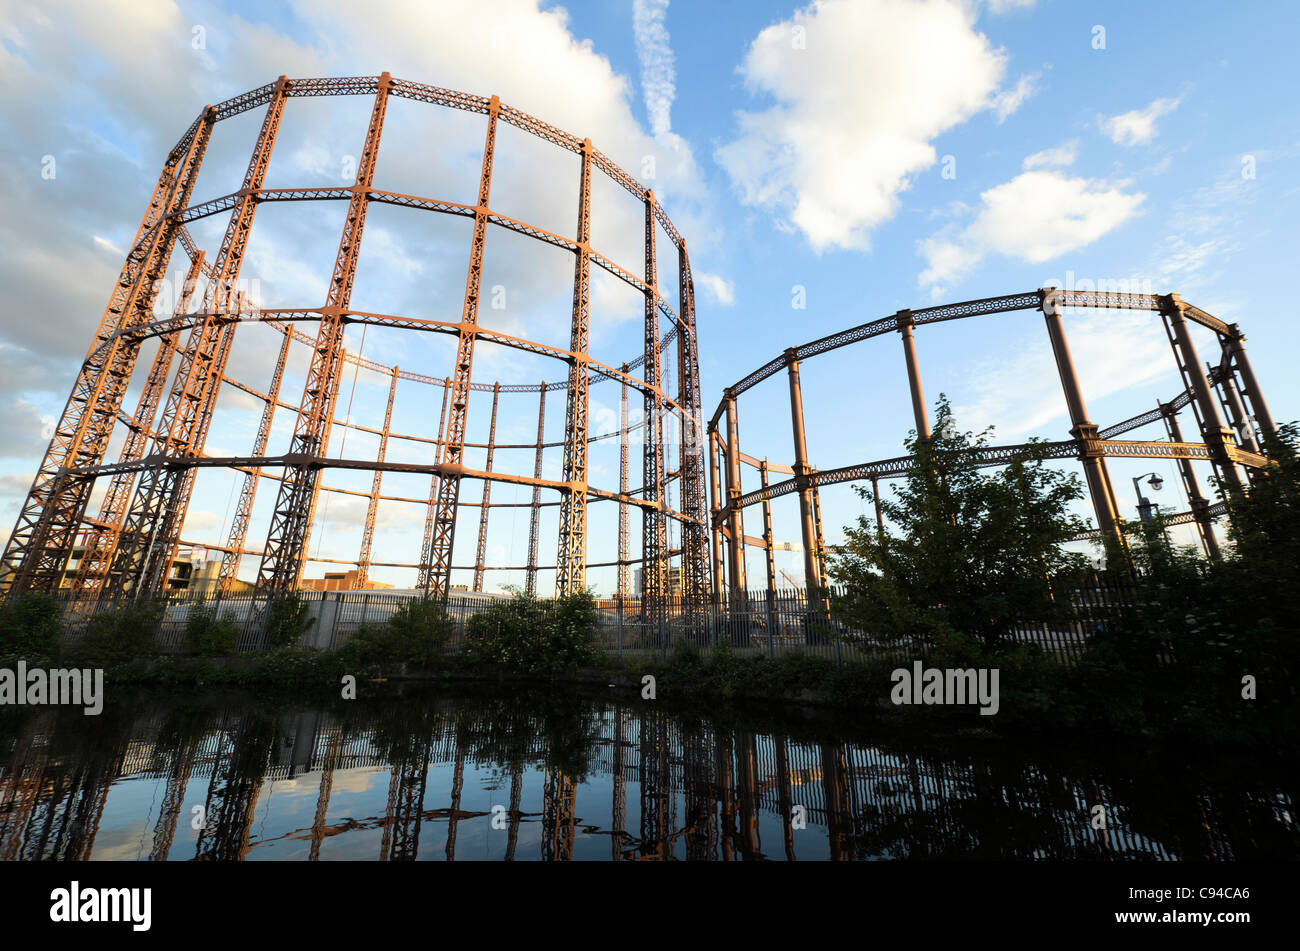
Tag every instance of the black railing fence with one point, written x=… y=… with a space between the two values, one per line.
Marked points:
x=753 y=623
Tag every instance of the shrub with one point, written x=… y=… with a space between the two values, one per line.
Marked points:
x=534 y=636
x=287 y=619
x=120 y=634
x=209 y=635
x=31 y=625
x=415 y=634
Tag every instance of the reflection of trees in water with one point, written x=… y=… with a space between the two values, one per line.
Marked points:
x=701 y=787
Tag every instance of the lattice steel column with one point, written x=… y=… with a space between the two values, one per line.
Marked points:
x=48 y=522
x=372 y=507
x=248 y=491
x=435 y=561
x=571 y=557
x=1224 y=380
x=290 y=531
x=535 y=513
x=481 y=557
x=1200 y=508
x=101 y=540
x=1218 y=438
x=653 y=530
x=1237 y=346
x=695 y=545
x=431 y=509
x=139 y=563
x=622 y=588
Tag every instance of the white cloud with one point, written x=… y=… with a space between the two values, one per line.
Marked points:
x=719 y=288
x=1009 y=100
x=57 y=236
x=858 y=102
x=1036 y=401
x=1138 y=126
x=655 y=54
x=1057 y=157
x=999 y=7
x=1201 y=235
x=23 y=431
x=1035 y=217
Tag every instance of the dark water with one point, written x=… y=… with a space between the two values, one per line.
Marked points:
x=532 y=776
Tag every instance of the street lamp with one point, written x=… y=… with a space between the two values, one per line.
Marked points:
x=1146 y=508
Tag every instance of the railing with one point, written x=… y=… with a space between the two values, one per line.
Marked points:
x=754 y=623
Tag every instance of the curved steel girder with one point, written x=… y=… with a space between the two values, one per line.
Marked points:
x=281 y=404
x=600 y=370
x=1029 y=300
x=186 y=321
x=225 y=203
x=990 y=456
x=1216 y=510
x=300 y=460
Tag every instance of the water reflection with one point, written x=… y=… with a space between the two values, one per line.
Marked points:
x=526 y=777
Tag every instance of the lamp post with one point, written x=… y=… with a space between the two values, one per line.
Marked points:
x=1146 y=508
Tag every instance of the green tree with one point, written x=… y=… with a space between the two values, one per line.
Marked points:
x=288 y=618
x=531 y=635
x=31 y=624
x=416 y=633
x=1192 y=629
x=968 y=553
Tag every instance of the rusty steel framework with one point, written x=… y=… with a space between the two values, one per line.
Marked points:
x=1229 y=385
x=128 y=549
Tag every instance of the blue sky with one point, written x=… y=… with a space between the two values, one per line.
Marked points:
x=892 y=154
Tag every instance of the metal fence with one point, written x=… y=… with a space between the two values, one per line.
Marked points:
x=755 y=623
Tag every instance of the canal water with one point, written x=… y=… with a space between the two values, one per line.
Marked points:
x=532 y=776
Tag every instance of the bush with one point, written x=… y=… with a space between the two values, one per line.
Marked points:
x=31 y=625
x=120 y=634
x=287 y=619
x=415 y=634
x=209 y=635
x=534 y=636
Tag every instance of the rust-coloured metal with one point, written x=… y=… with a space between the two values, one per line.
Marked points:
x=571 y=557
x=101 y=540
x=802 y=472
x=50 y=517
x=1227 y=448
x=155 y=474
x=481 y=559
x=142 y=559
x=534 y=520
x=286 y=542
x=1216 y=436
x=1191 y=487
x=435 y=578
x=248 y=491
x=622 y=588
x=654 y=541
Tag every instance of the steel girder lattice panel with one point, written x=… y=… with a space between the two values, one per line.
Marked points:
x=128 y=545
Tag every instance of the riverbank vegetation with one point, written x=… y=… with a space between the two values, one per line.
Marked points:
x=1190 y=649
x=1204 y=649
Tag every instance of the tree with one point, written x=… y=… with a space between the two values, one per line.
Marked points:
x=968 y=554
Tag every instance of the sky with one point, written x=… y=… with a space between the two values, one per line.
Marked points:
x=827 y=164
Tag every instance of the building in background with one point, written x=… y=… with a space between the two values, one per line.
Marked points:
x=341 y=581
